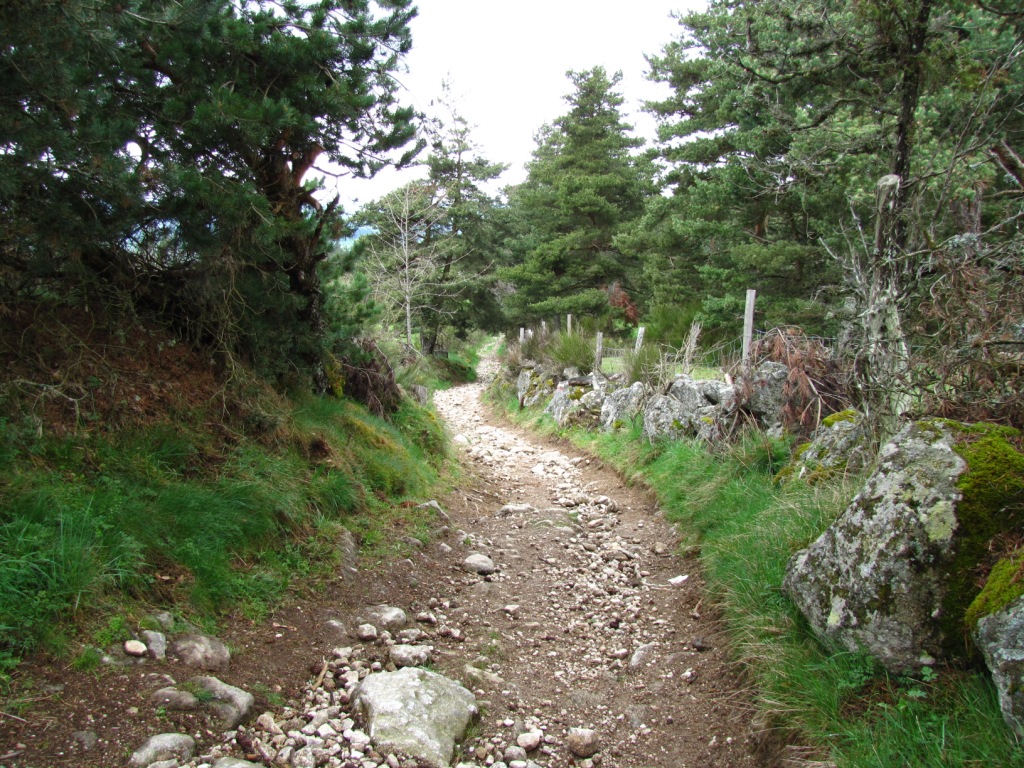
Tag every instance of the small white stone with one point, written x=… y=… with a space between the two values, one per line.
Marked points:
x=529 y=740
x=135 y=648
x=675 y=581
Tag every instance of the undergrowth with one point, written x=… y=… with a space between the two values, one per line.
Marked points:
x=814 y=703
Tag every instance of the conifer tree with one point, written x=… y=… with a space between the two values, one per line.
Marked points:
x=584 y=184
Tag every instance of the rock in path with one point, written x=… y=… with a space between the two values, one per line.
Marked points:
x=163 y=746
x=415 y=711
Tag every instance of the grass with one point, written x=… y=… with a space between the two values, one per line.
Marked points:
x=836 y=705
x=175 y=515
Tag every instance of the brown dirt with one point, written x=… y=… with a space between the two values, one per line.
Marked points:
x=555 y=655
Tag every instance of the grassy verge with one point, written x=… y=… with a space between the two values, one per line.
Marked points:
x=203 y=515
x=837 y=706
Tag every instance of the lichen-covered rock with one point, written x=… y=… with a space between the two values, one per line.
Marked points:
x=622 y=405
x=1000 y=637
x=893 y=575
x=566 y=400
x=764 y=391
x=689 y=408
x=841 y=444
x=534 y=385
x=667 y=417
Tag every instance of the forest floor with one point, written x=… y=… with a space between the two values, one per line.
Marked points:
x=592 y=619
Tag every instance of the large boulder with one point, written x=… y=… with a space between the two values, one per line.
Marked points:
x=841 y=444
x=622 y=405
x=1000 y=638
x=416 y=712
x=893 y=576
x=689 y=408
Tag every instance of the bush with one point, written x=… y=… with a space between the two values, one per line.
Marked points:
x=571 y=351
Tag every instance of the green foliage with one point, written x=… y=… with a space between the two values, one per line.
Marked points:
x=184 y=186
x=571 y=350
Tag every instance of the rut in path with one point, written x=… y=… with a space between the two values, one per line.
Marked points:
x=592 y=620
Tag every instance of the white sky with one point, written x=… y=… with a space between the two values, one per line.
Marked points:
x=506 y=62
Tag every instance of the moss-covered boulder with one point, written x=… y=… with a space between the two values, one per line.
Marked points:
x=840 y=444
x=1000 y=637
x=894 y=575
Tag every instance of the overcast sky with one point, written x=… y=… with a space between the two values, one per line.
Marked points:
x=506 y=62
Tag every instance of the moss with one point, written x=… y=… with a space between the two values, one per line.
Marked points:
x=1005 y=584
x=992 y=503
x=848 y=415
x=576 y=393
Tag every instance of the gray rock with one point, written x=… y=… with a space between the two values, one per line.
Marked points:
x=415 y=711
x=366 y=632
x=304 y=758
x=410 y=655
x=1000 y=637
x=135 y=648
x=172 y=698
x=876 y=580
x=582 y=742
x=529 y=740
x=156 y=642
x=765 y=387
x=163 y=619
x=433 y=504
x=85 y=739
x=688 y=393
x=515 y=509
x=533 y=386
x=232 y=705
x=514 y=752
x=385 y=617
x=840 y=444
x=566 y=401
x=234 y=762
x=200 y=651
x=477 y=563
x=623 y=404
x=163 y=746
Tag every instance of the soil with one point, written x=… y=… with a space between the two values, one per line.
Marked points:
x=560 y=624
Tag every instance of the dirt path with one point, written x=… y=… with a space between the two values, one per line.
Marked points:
x=588 y=621
x=591 y=620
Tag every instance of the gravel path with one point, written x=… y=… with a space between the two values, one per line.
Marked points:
x=590 y=619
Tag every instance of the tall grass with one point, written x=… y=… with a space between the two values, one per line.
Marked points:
x=814 y=703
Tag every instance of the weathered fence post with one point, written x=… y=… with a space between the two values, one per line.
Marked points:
x=748 y=323
x=522 y=334
x=543 y=329
x=639 y=339
x=568 y=325
x=599 y=351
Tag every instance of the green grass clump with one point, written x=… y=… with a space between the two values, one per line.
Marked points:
x=842 y=707
x=571 y=350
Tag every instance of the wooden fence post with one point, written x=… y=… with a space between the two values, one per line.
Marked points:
x=599 y=351
x=522 y=334
x=748 y=323
x=639 y=339
x=568 y=325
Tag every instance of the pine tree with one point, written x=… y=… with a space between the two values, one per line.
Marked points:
x=584 y=185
